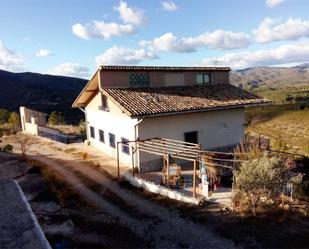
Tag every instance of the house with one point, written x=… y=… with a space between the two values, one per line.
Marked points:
x=192 y=104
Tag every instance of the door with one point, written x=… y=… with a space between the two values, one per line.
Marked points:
x=191 y=137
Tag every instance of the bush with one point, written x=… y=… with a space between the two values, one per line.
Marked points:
x=259 y=181
x=56 y=118
x=7 y=148
x=4 y=116
x=14 y=122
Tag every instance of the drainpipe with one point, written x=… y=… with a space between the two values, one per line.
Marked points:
x=86 y=122
x=135 y=138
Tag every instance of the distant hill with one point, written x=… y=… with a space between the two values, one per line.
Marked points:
x=41 y=92
x=271 y=77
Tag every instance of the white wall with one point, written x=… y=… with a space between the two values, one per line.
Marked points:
x=215 y=128
x=114 y=122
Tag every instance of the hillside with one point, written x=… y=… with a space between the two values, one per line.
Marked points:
x=41 y=92
x=271 y=77
x=287 y=129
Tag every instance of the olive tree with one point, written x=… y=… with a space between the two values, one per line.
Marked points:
x=259 y=180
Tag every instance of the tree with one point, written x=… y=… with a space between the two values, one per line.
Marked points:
x=56 y=118
x=24 y=142
x=4 y=116
x=258 y=180
x=14 y=122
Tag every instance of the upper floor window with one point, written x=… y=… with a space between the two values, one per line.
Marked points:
x=203 y=79
x=104 y=103
x=92 y=133
x=139 y=79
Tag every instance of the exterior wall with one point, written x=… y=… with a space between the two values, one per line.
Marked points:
x=113 y=121
x=215 y=129
x=159 y=78
x=30 y=120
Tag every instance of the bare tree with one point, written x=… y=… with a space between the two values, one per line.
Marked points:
x=24 y=143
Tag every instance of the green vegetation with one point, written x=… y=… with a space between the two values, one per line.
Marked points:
x=286 y=95
x=4 y=116
x=259 y=183
x=8 y=148
x=56 y=118
x=14 y=121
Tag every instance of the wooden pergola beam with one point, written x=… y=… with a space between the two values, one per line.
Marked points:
x=167 y=149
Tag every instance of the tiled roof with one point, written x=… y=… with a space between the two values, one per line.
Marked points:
x=161 y=68
x=149 y=101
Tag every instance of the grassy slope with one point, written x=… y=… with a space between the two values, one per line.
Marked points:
x=288 y=129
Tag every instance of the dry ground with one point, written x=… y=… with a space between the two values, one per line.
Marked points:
x=158 y=226
x=148 y=220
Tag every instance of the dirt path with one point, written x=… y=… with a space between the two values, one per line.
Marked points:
x=162 y=227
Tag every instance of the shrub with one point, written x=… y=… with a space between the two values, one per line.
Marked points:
x=259 y=181
x=7 y=148
x=14 y=122
x=4 y=116
x=56 y=118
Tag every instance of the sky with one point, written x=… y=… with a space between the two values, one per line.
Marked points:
x=74 y=37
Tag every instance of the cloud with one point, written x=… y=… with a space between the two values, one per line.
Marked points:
x=9 y=60
x=218 y=39
x=274 y=3
x=169 y=6
x=130 y=15
x=123 y=56
x=101 y=30
x=292 y=29
x=290 y=53
x=43 y=53
x=70 y=69
x=95 y=29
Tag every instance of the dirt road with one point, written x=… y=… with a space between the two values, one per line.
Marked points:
x=159 y=226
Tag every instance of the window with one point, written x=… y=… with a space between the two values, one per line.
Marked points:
x=125 y=146
x=203 y=79
x=139 y=79
x=101 y=136
x=104 y=103
x=92 y=133
x=112 y=140
x=191 y=137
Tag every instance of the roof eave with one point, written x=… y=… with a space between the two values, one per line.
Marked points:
x=75 y=103
x=201 y=110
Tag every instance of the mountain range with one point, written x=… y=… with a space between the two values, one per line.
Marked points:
x=49 y=93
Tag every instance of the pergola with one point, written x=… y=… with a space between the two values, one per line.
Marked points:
x=166 y=148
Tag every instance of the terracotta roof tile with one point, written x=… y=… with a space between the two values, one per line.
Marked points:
x=164 y=100
x=161 y=68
